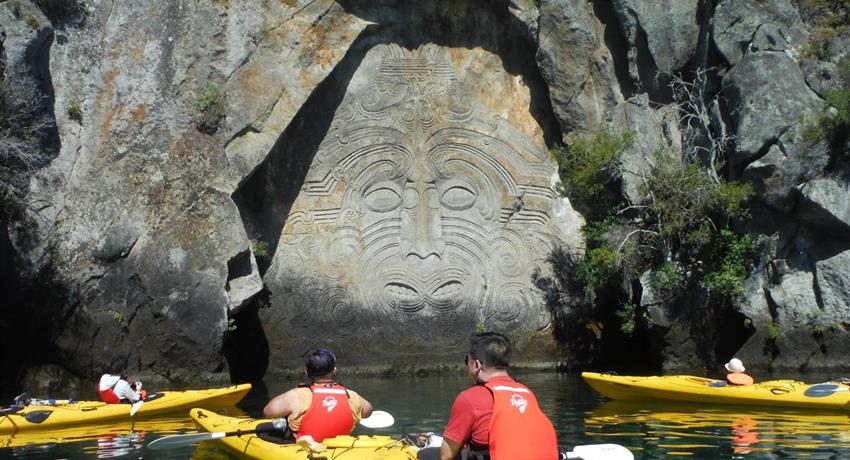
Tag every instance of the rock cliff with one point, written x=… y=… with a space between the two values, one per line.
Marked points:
x=237 y=181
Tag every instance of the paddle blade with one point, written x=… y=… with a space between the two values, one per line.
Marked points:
x=135 y=407
x=378 y=419
x=180 y=440
x=824 y=389
x=601 y=452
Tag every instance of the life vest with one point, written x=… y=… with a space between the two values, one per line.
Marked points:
x=519 y=430
x=739 y=378
x=329 y=414
x=108 y=395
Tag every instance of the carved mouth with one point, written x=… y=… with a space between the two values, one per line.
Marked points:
x=402 y=291
x=447 y=291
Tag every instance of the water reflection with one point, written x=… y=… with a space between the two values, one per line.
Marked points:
x=667 y=429
x=420 y=404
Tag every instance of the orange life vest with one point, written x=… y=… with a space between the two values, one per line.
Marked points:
x=329 y=414
x=519 y=430
x=739 y=378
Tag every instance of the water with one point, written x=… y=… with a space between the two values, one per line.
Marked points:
x=421 y=404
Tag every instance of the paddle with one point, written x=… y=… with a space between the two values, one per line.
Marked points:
x=824 y=389
x=588 y=452
x=599 y=452
x=378 y=419
x=135 y=407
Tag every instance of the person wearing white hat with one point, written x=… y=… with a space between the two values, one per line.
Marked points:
x=736 y=375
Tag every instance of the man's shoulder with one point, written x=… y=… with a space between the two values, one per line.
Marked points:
x=475 y=393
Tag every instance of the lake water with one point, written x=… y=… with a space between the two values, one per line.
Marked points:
x=421 y=404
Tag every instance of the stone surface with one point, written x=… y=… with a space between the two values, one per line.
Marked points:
x=424 y=212
x=576 y=66
x=393 y=157
x=136 y=217
x=667 y=29
x=823 y=203
x=738 y=22
x=761 y=117
x=833 y=284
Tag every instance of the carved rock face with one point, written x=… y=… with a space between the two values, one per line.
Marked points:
x=419 y=218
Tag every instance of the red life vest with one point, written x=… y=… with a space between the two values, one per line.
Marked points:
x=519 y=430
x=739 y=378
x=329 y=414
x=108 y=395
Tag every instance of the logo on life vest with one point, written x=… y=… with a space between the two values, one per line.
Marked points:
x=329 y=403
x=519 y=402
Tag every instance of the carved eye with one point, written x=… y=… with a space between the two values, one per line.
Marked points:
x=382 y=198
x=458 y=197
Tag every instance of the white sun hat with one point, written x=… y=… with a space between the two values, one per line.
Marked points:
x=735 y=365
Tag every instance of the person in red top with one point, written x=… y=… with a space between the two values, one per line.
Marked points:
x=498 y=414
x=321 y=408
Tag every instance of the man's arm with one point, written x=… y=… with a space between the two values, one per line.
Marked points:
x=449 y=450
x=458 y=429
x=365 y=408
x=282 y=405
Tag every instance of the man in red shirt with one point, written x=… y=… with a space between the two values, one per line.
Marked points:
x=498 y=414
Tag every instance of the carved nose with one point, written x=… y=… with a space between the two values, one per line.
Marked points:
x=426 y=247
x=422 y=236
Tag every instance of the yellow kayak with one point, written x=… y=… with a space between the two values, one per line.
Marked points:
x=361 y=447
x=775 y=393
x=62 y=414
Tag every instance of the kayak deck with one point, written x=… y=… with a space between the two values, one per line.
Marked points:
x=686 y=388
x=361 y=447
x=49 y=417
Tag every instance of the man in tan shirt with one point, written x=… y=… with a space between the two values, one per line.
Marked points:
x=321 y=408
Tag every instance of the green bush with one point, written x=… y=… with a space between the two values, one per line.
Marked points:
x=596 y=268
x=731 y=263
x=627 y=313
x=210 y=105
x=75 y=112
x=589 y=165
x=260 y=248
x=773 y=331
x=665 y=278
x=208 y=97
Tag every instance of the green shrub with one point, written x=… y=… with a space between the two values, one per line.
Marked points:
x=731 y=263
x=589 y=165
x=260 y=248
x=665 y=278
x=75 y=112
x=627 y=315
x=596 y=268
x=208 y=97
x=210 y=105
x=31 y=21
x=773 y=331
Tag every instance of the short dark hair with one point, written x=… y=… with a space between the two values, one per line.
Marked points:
x=118 y=365
x=492 y=349
x=319 y=362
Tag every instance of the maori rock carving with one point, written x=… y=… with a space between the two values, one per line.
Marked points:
x=420 y=216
